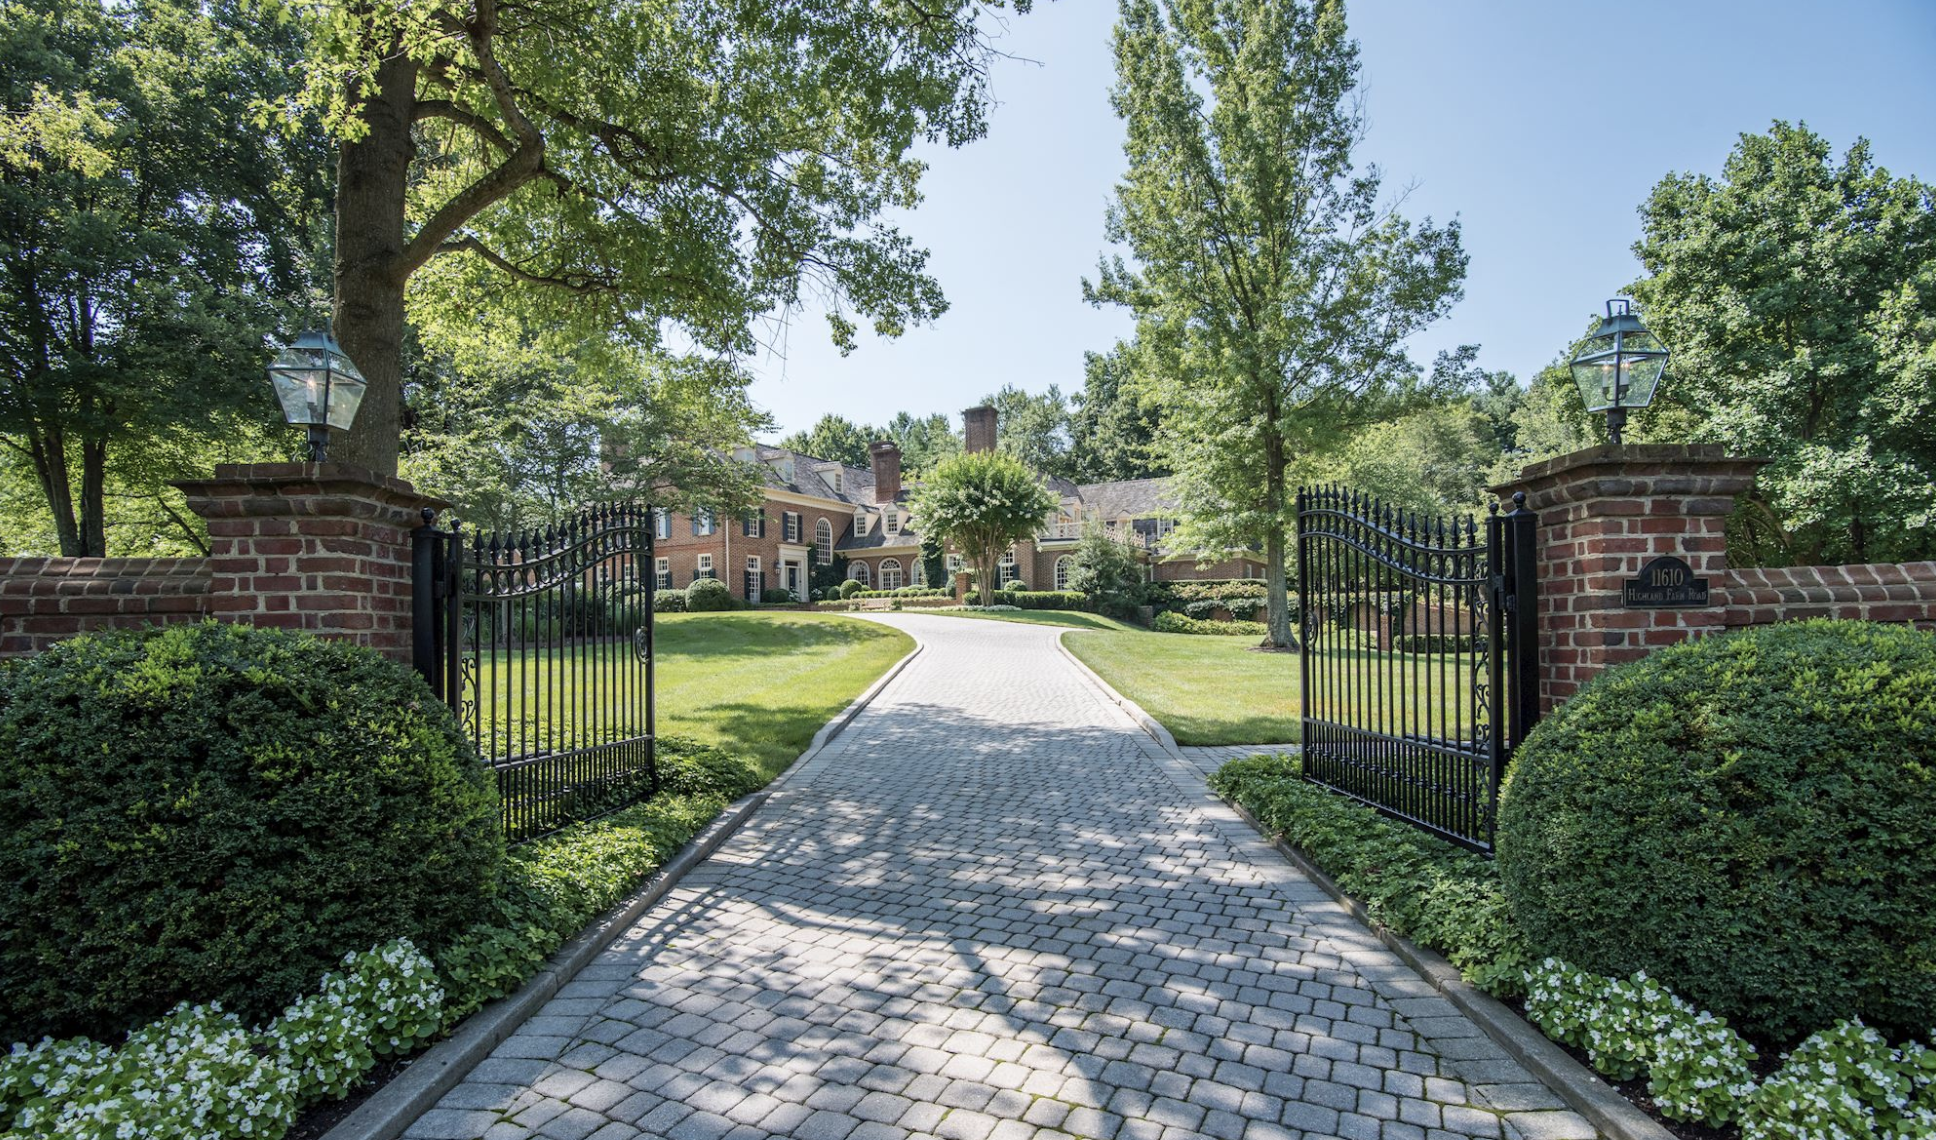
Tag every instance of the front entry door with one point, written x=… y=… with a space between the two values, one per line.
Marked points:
x=793 y=578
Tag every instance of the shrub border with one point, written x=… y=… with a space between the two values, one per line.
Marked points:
x=1579 y=1086
x=417 y=1089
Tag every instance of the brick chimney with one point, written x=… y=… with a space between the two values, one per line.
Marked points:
x=980 y=424
x=886 y=461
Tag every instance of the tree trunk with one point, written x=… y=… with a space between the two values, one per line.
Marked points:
x=1277 y=610
x=985 y=576
x=94 y=530
x=371 y=184
x=49 y=451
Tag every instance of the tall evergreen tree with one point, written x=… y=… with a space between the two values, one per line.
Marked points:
x=1273 y=290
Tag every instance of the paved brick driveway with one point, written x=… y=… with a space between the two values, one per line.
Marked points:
x=993 y=908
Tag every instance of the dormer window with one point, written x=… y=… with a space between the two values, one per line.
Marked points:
x=860 y=521
x=891 y=521
x=833 y=477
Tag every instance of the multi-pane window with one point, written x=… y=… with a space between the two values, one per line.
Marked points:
x=954 y=565
x=790 y=526
x=753 y=581
x=823 y=537
x=662 y=573
x=661 y=523
x=702 y=522
x=1006 y=571
x=1062 y=567
x=918 y=573
x=891 y=521
x=753 y=525
x=858 y=571
x=705 y=567
x=890 y=573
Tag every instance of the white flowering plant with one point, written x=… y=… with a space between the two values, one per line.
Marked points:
x=200 y=1073
x=195 y=1073
x=1844 y=1083
x=1847 y=1081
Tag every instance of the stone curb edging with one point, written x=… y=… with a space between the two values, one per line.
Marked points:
x=1576 y=1084
x=845 y=716
x=1144 y=721
x=419 y=1087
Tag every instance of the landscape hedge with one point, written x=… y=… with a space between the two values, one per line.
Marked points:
x=708 y=595
x=215 y=812
x=1749 y=818
x=1179 y=623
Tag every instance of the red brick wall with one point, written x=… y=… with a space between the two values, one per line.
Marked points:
x=681 y=548
x=43 y=600
x=1892 y=592
x=1185 y=570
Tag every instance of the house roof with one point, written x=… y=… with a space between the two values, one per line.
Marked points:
x=814 y=476
x=1134 y=498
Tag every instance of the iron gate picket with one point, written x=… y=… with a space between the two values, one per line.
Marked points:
x=1418 y=654
x=541 y=642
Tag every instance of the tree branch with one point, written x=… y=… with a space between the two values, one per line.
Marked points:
x=580 y=283
x=482 y=127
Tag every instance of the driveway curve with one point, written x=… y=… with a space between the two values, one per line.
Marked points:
x=994 y=909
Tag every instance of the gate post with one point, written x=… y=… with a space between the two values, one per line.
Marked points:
x=1522 y=618
x=425 y=651
x=1609 y=512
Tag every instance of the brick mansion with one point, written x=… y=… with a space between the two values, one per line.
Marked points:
x=816 y=512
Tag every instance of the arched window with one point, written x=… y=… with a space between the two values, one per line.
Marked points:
x=918 y=573
x=955 y=564
x=823 y=537
x=1063 y=565
x=858 y=572
x=890 y=573
x=1005 y=571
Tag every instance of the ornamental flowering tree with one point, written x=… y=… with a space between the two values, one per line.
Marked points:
x=982 y=502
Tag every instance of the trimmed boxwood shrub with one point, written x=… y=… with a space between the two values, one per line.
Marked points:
x=213 y=813
x=1750 y=819
x=1178 y=623
x=708 y=595
x=850 y=588
x=669 y=602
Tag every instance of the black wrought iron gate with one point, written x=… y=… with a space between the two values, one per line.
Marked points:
x=1419 y=656
x=541 y=642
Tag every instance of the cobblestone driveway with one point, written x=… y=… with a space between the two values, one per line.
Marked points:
x=993 y=909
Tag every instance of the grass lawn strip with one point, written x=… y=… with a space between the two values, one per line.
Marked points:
x=1204 y=689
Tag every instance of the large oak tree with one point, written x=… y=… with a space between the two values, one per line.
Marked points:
x=656 y=171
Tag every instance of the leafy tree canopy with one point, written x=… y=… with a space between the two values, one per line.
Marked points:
x=153 y=240
x=1107 y=570
x=1033 y=427
x=1112 y=425
x=834 y=438
x=982 y=502
x=924 y=441
x=517 y=437
x=1798 y=295
x=1273 y=289
x=631 y=170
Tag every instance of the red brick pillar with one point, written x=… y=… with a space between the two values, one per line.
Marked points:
x=961 y=587
x=320 y=547
x=1604 y=514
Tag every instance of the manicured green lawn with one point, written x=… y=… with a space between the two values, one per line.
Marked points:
x=1218 y=690
x=1205 y=690
x=1072 y=618
x=759 y=684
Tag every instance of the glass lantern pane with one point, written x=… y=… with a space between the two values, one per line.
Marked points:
x=1595 y=379
x=346 y=395
x=1642 y=376
x=300 y=391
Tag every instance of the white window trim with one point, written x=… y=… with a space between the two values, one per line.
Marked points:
x=661 y=523
x=753 y=563
x=662 y=573
x=891 y=521
x=896 y=564
x=862 y=574
x=705 y=564
x=824 y=546
x=1063 y=565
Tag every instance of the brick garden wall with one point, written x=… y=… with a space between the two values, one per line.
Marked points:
x=1893 y=592
x=324 y=548
x=43 y=600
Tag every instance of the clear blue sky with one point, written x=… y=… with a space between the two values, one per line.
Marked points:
x=1541 y=124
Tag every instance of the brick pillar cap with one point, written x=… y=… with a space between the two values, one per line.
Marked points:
x=232 y=480
x=1680 y=455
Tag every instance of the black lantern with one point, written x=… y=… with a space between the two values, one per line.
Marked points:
x=319 y=387
x=1619 y=366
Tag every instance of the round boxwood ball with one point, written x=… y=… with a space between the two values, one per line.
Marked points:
x=220 y=813
x=1750 y=819
x=707 y=595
